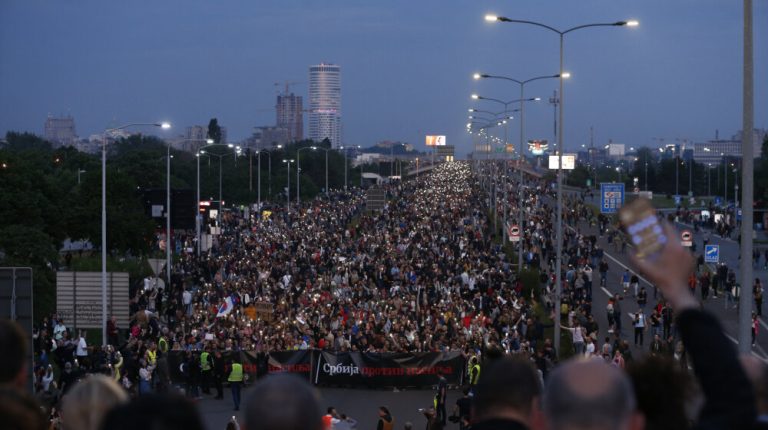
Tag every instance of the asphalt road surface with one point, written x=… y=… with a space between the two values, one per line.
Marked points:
x=361 y=405
x=728 y=315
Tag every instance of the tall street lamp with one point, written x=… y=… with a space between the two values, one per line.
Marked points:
x=506 y=107
x=288 y=187
x=521 y=83
x=345 y=149
x=392 y=157
x=198 y=219
x=326 y=165
x=561 y=34
x=163 y=125
x=258 y=173
x=235 y=153
x=298 y=173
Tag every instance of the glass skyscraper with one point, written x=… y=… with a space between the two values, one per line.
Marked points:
x=325 y=103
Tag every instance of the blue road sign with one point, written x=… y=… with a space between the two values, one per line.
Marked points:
x=611 y=197
x=677 y=200
x=712 y=254
x=717 y=201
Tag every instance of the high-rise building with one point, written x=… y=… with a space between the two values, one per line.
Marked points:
x=290 y=115
x=60 y=131
x=325 y=103
x=200 y=133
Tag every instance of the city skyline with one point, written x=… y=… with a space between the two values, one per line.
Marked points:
x=405 y=76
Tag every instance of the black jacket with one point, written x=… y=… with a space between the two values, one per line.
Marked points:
x=729 y=400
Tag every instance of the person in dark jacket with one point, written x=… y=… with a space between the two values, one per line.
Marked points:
x=218 y=374
x=729 y=402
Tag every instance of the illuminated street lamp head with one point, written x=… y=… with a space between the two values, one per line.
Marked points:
x=230 y=145
x=475 y=96
x=470 y=110
x=313 y=147
x=165 y=125
x=491 y=18
x=536 y=99
x=209 y=141
x=565 y=75
x=632 y=23
x=279 y=146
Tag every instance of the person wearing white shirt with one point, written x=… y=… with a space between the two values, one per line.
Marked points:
x=82 y=348
x=59 y=329
x=186 y=298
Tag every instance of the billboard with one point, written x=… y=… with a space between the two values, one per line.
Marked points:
x=435 y=140
x=538 y=147
x=78 y=298
x=569 y=161
x=616 y=149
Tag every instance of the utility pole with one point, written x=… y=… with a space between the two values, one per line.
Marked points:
x=747 y=176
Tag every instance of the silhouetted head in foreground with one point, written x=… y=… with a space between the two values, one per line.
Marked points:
x=282 y=402
x=590 y=395
x=167 y=412
x=509 y=389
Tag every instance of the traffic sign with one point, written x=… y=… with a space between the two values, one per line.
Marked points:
x=712 y=253
x=513 y=231
x=611 y=197
x=686 y=238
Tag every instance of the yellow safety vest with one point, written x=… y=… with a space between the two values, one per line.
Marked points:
x=474 y=374
x=204 y=363
x=237 y=373
x=152 y=357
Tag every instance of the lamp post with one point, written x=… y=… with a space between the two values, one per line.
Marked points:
x=163 y=125
x=220 y=157
x=198 y=219
x=392 y=158
x=521 y=83
x=288 y=188
x=522 y=101
x=298 y=172
x=559 y=234
x=258 y=174
x=79 y=171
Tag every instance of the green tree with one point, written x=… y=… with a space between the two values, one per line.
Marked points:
x=214 y=130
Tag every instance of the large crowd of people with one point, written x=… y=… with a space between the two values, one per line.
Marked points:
x=426 y=273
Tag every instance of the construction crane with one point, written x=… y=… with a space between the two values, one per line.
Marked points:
x=287 y=85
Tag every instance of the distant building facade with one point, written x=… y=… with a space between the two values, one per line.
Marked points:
x=200 y=133
x=325 y=103
x=60 y=131
x=714 y=151
x=290 y=115
x=268 y=136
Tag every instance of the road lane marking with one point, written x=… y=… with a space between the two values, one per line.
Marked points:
x=734 y=340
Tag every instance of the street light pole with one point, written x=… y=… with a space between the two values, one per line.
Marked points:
x=558 y=268
x=747 y=175
x=168 y=236
x=288 y=187
x=520 y=157
x=164 y=125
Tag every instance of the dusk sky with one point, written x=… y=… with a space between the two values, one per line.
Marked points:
x=406 y=65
